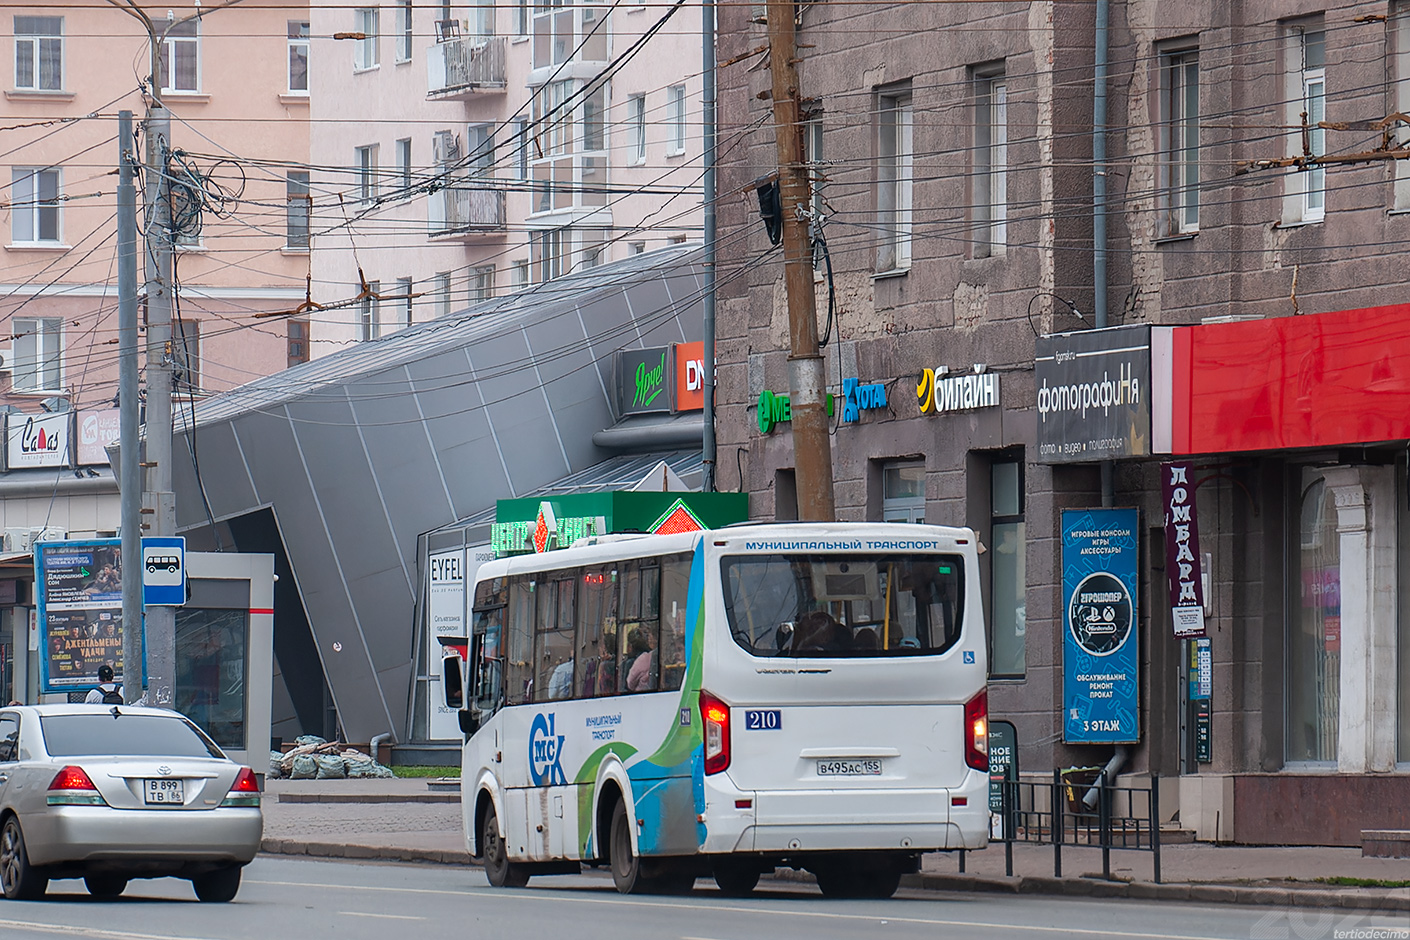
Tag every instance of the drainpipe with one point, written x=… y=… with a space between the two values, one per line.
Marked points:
x=1108 y=774
x=1099 y=278
x=377 y=742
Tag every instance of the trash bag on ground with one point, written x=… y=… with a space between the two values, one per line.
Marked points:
x=330 y=766
x=306 y=739
x=276 y=765
x=304 y=768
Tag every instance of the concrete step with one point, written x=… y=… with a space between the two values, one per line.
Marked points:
x=1385 y=843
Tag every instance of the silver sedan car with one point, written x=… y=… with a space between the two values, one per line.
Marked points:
x=114 y=792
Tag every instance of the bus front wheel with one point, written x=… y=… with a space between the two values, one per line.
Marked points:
x=736 y=880
x=501 y=872
x=626 y=867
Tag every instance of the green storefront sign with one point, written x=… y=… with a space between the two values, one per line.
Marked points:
x=775 y=409
x=643 y=380
x=542 y=524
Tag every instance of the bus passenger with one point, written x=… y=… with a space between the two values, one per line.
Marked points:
x=641 y=676
x=819 y=632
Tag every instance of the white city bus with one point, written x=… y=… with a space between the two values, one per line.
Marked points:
x=726 y=702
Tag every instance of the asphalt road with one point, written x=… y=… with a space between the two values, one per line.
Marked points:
x=301 y=899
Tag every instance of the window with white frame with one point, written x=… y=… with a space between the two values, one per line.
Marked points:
x=636 y=139
x=525 y=140
x=35 y=195
x=404 y=34
x=1179 y=126
x=404 y=167
x=568 y=159
x=522 y=17
x=482 y=22
x=813 y=154
x=365 y=49
x=893 y=182
x=675 y=119
x=298 y=210
x=404 y=304
x=369 y=313
x=1305 y=191
x=479 y=150
x=521 y=273
x=298 y=57
x=482 y=284
x=186 y=337
x=443 y=294
x=181 y=57
x=367 y=174
x=39 y=355
x=991 y=162
x=546 y=248
x=1400 y=23
x=563 y=31
x=39 y=53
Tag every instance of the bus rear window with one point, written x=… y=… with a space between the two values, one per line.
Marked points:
x=844 y=605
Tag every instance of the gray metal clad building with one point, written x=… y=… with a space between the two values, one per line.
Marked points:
x=337 y=466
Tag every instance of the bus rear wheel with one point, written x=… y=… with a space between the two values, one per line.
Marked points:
x=501 y=872
x=626 y=867
x=736 y=880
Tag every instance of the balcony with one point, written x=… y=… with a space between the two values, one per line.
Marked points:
x=466 y=211
x=457 y=69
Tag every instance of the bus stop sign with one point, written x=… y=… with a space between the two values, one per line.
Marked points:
x=163 y=571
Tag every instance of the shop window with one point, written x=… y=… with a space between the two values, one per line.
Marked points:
x=211 y=672
x=903 y=492
x=1314 y=629
x=1008 y=586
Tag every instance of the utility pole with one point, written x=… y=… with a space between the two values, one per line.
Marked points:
x=158 y=500
x=129 y=480
x=807 y=383
x=708 y=186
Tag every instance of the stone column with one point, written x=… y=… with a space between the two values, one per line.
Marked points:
x=1365 y=502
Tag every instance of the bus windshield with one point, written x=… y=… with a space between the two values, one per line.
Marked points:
x=844 y=605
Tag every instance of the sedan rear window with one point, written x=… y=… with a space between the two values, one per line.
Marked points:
x=124 y=736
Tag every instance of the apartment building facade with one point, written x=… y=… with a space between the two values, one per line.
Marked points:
x=1254 y=198
x=467 y=150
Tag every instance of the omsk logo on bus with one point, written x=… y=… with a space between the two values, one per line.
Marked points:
x=545 y=752
x=1100 y=615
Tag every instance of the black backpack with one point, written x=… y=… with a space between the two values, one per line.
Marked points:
x=112 y=697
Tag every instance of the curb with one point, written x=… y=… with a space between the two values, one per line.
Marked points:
x=1067 y=887
x=368 y=798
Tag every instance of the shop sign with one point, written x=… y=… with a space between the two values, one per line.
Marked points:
x=1182 y=557
x=642 y=382
x=678 y=518
x=544 y=533
x=690 y=376
x=1101 y=662
x=857 y=398
x=96 y=430
x=38 y=440
x=775 y=409
x=78 y=587
x=939 y=392
x=1093 y=395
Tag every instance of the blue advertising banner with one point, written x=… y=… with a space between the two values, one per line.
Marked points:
x=1101 y=661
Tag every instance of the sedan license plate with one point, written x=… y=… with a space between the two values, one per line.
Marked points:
x=165 y=792
x=849 y=768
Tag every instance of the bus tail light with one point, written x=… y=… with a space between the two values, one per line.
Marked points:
x=976 y=731
x=715 y=715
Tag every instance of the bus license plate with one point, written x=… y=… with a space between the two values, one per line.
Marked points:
x=165 y=792
x=849 y=768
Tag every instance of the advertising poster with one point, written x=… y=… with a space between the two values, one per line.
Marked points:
x=79 y=594
x=38 y=440
x=1182 y=556
x=1094 y=398
x=1101 y=661
x=96 y=430
x=452 y=577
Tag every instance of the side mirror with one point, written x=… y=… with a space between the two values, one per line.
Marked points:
x=469 y=724
x=453 y=681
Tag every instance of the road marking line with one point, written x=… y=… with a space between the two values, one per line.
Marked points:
x=576 y=897
x=383 y=916
x=102 y=933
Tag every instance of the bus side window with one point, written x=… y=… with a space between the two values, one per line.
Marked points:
x=675 y=585
x=487 y=685
x=519 y=645
x=640 y=639
x=597 y=634
x=553 y=641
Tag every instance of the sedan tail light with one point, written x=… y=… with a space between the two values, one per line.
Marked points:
x=244 y=791
x=715 y=715
x=72 y=787
x=976 y=731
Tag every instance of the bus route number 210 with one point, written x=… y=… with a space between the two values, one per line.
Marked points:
x=762 y=719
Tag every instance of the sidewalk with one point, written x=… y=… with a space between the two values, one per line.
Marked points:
x=404 y=820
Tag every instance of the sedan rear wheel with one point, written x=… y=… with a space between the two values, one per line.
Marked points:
x=105 y=886
x=218 y=886
x=18 y=878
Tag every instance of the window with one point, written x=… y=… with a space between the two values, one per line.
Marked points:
x=893 y=189
x=404 y=167
x=1305 y=192
x=369 y=314
x=546 y=253
x=636 y=248
x=991 y=159
x=298 y=211
x=34 y=201
x=181 y=57
x=39 y=355
x=594 y=248
x=482 y=284
x=39 y=53
x=298 y=57
x=1401 y=102
x=443 y=294
x=1314 y=628
x=297 y=336
x=1179 y=123
x=186 y=335
x=404 y=34
x=567 y=164
x=524 y=136
x=9 y=738
x=675 y=118
x=367 y=174
x=813 y=154
x=521 y=18
x=521 y=273
x=404 y=303
x=563 y=31
x=553 y=639
x=479 y=141
x=636 y=140
x=482 y=20
x=903 y=492
x=1008 y=586
x=210 y=671
x=365 y=49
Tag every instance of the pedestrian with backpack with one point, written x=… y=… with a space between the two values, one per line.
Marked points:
x=107 y=692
